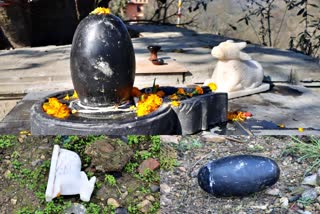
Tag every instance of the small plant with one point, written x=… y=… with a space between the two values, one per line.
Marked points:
x=7 y=141
x=305 y=201
x=93 y=208
x=168 y=157
x=307 y=151
x=131 y=167
x=110 y=179
x=148 y=176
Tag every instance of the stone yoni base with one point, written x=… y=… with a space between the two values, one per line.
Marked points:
x=193 y=115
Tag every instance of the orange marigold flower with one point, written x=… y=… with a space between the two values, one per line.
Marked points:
x=56 y=109
x=212 y=86
x=149 y=104
x=174 y=97
x=198 y=90
x=135 y=92
x=181 y=91
x=237 y=116
x=161 y=93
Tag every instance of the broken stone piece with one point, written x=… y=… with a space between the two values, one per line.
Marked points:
x=150 y=163
x=66 y=177
x=109 y=155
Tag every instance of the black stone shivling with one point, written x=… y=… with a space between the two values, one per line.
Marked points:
x=238 y=175
x=102 y=61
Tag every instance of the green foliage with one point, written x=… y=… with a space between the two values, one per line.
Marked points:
x=188 y=144
x=148 y=176
x=307 y=41
x=168 y=157
x=305 y=201
x=131 y=167
x=155 y=207
x=133 y=209
x=7 y=141
x=93 y=208
x=110 y=179
x=309 y=151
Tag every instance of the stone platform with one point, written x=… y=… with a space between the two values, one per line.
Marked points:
x=33 y=70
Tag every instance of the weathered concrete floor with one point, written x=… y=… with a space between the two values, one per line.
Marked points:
x=30 y=70
x=47 y=68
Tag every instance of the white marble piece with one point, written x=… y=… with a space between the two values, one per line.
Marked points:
x=66 y=177
x=235 y=70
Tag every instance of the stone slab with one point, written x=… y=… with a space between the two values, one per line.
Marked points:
x=246 y=92
x=294 y=106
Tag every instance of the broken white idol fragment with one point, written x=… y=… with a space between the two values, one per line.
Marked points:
x=66 y=177
x=235 y=72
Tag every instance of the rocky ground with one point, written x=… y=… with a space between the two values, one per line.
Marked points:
x=127 y=172
x=180 y=192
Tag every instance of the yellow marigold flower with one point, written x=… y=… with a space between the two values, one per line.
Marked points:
x=101 y=10
x=55 y=108
x=181 y=91
x=135 y=92
x=160 y=93
x=24 y=132
x=75 y=95
x=212 y=86
x=66 y=97
x=301 y=129
x=198 y=90
x=175 y=103
x=148 y=105
x=281 y=125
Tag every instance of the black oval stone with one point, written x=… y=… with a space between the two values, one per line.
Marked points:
x=102 y=61
x=238 y=175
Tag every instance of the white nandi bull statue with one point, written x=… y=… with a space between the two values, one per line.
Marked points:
x=66 y=177
x=235 y=70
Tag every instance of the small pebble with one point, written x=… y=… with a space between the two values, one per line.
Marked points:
x=113 y=202
x=13 y=201
x=121 y=210
x=164 y=188
x=310 y=180
x=144 y=206
x=284 y=201
x=294 y=198
x=150 y=198
x=310 y=193
x=273 y=192
x=154 y=188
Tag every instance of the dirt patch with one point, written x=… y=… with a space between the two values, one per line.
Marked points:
x=24 y=169
x=183 y=194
